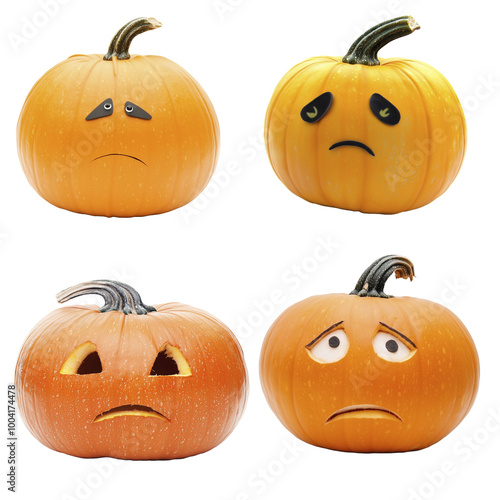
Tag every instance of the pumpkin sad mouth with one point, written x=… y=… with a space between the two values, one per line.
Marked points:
x=352 y=143
x=119 y=154
x=364 y=411
x=130 y=411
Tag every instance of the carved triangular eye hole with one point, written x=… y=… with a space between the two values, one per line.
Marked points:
x=170 y=362
x=317 y=108
x=84 y=360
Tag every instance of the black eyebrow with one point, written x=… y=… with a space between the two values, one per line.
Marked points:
x=404 y=337
x=328 y=330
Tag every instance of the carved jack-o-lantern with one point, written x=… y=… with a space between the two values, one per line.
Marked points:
x=129 y=380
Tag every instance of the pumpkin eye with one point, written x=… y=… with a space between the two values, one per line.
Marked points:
x=170 y=362
x=104 y=109
x=330 y=348
x=136 y=111
x=84 y=360
x=390 y=348
x=384 y=110
x=317 y=108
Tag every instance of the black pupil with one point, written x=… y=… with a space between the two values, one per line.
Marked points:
x=392 y=346
x=334 y=341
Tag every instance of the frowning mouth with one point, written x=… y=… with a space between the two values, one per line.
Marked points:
x=118 y=154
x=130 y=410
x=364 y=411
x=352 y=143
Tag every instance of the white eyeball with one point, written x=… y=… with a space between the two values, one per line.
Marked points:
x=391 y=348
x=331 y=348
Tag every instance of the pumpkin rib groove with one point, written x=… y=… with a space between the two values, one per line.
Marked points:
x=213 y=121
x=279 y=95
x=452 y=172
x=176 y=121
x=286 y=142
x=209 y=121
x=363 y=183
x=473 y=361
x=283 y=83
x=293 y=399
x=326 y=81
x=73 y=129
x=35 y=169
x=444 y=181
x=428 y=128
x=403 y=312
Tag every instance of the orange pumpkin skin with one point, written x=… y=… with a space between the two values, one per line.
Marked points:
x=118 y=165
x=431 y=392
x=414 y=162
x=202 y=409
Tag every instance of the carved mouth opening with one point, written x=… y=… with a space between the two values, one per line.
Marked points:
x=130 y=410
x=364 y=411
x=352 y=143
x=119 y=154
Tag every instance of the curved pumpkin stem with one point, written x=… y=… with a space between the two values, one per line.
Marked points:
x=117 y=296
x=120 y=45
x=372 y=281
x=365 y=49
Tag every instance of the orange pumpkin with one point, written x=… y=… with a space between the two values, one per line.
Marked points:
x=367 y=372
x=118 y=135
x=128 y=380
x=359 y=133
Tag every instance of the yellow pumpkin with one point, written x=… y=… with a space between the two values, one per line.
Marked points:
x=359 y=133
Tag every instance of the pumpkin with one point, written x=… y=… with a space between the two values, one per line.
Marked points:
x=118 y=135
x=359 y=133
x=128 y=380
x=368 y=372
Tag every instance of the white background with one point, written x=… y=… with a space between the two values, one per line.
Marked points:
x=244 y=238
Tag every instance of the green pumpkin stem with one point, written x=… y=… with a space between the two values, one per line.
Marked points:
x=117 y=296
x=120 y=45
x=372 y=281
x=365 y=49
